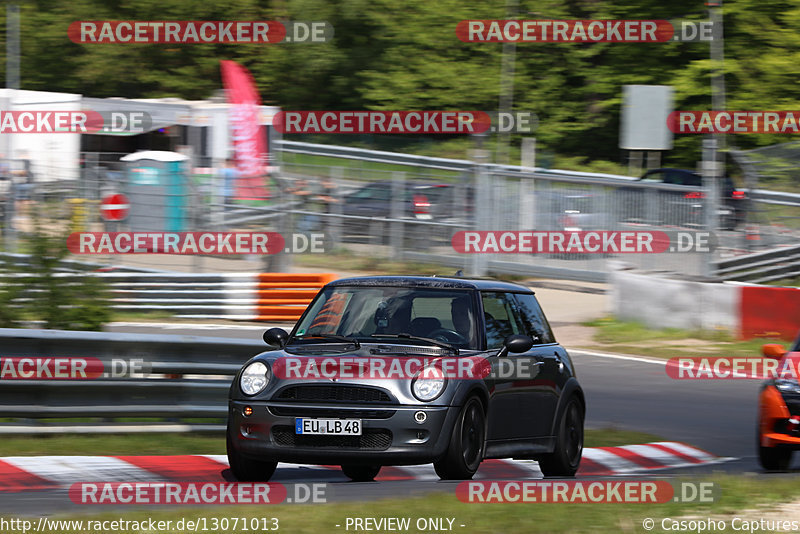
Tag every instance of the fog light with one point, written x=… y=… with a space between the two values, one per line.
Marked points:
x=247 y=410
x=420 y=417
x=792 y=424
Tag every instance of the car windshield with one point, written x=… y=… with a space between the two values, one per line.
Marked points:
x=365 y=313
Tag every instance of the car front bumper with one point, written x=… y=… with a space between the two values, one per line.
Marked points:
x=390 y=433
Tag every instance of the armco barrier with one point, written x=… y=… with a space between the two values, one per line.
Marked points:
x=283 y=297
x=184 y=378
x=280 y=297
x=660 y=300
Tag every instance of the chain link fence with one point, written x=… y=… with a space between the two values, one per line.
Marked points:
x=364 y=203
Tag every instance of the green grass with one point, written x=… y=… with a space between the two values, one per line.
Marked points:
x=635 y=338
x=791 y=282
x=347 y=261
x=166 y=443
x=613 y=437
x=737 y=494
x=113 y=444
x=117 y=315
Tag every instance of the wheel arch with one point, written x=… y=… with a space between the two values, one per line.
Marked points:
x=571 y=388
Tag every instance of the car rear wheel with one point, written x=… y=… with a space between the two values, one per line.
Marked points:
x=565 y=459
x=361 y=473
x=246 y=469
x=465 y=452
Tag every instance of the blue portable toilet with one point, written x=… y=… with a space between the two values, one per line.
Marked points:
x=158 y=189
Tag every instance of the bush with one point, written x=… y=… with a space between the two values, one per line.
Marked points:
x=75 y=302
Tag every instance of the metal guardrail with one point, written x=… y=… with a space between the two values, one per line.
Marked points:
x=775 y=197
x=413 y=160
x=10 y=262
x=186 y=379
x=268 y=297
x=762 y=266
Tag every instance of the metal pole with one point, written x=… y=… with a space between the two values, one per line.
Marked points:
x=397 y=230
x=714 y=147
x=12 y=82
x=506 y=88
x=12 y=46
x=477 y=265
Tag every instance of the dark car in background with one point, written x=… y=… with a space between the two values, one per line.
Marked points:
x=778 y=429
x=529 y=404
x=568 y=210
x=373 y=202
x=683 y=207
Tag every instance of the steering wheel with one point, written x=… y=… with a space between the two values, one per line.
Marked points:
x=447 y=335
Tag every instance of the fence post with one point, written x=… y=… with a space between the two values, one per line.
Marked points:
x=334 y=221
x=483 y=206
x=397 y=228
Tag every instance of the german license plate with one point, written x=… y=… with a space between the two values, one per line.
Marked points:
x=336 y=427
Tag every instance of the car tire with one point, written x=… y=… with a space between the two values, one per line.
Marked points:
x=565 y=459
x=465 y=451
x=361 y=473
x=773 y=458
x=246 y=469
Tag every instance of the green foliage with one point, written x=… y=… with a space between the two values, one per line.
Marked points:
x=9 y=292
x=77 y=302
x=405 y=55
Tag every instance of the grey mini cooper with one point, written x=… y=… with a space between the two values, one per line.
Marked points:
x=409 y=370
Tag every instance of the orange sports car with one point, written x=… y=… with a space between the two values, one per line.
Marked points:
x=779 y=409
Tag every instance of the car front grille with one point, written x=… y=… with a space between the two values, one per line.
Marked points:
x=290 y=411
x=373 y=439
x=333 y=393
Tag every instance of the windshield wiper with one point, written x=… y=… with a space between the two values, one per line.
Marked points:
x=334 y=337
x=419 y=338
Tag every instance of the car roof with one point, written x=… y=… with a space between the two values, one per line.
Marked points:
x=432 y=282
x=670 y=169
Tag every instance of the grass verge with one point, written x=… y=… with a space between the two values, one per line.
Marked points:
x=634 y=338
x=145 y=444
x=738 y=493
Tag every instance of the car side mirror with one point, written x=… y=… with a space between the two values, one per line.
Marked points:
x=276 y=337
x=516 y=343
x=773 y=350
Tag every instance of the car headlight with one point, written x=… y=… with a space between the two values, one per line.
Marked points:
x=428 y=384
x=788 y=386
x=254 y=378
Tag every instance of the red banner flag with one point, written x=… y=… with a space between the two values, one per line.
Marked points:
x=249 y=139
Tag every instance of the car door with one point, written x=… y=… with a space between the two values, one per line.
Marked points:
x=556 y=365
x=370 y=201
x=516 y=392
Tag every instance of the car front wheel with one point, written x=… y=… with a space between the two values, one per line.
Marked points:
x=361 y=473
x=246 y=469
x=465 y=452
x=773 y=458
x=565 y=459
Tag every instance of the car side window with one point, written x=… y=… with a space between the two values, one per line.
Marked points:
x=692 y=179
x=533 y=318
x=372 y=192
x=654 y=177
x=501 y=321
